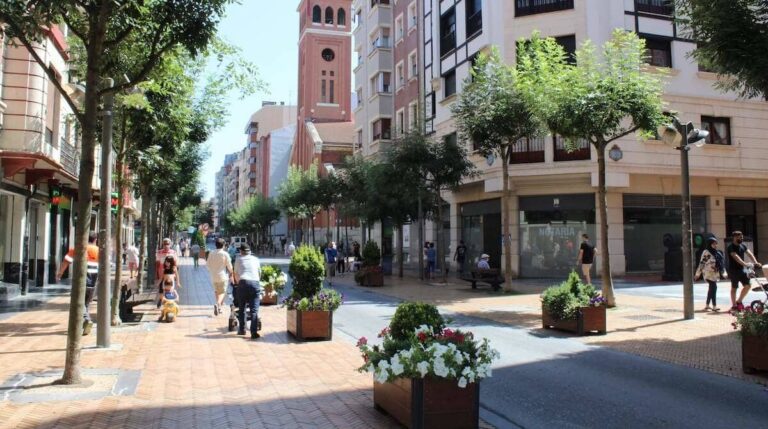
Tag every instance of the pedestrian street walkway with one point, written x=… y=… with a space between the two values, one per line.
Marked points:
x=188 y=374
x=646 y=322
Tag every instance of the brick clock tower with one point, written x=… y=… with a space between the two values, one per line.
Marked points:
x=325 y=81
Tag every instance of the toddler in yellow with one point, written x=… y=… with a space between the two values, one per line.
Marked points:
x=170 y=306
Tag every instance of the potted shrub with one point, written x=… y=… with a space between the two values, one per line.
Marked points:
x=573 y=306
x=273 y=281
x=426 y=375
x=371 y=272
x=310 y=306
x=753 y=328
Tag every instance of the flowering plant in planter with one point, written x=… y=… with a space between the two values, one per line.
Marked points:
x=428 y=350
x=274 y=277
x=325 y=300
x=563 y=301
x=751 y=322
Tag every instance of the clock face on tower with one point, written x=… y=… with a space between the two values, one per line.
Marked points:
x=328 y=54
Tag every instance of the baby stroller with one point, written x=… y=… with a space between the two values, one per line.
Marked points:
x=758 y=305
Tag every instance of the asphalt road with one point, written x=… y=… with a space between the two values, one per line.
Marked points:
x=545 y=379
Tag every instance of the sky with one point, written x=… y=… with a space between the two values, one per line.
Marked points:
x=267 y=31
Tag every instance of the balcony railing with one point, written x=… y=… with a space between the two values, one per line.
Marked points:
x=475 y=23
x=70 y=158
x=532 y=7
x=383 y=135
x=525 y=151
x=447 y=43
x=382 y=42
x=378 y=2
x=658 y=7
x=580 y=151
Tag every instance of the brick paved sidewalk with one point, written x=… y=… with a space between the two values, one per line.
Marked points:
x=645 y=326
x=192 y=373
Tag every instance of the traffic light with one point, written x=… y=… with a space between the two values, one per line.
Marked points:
x=54 y=192
x=115 y=200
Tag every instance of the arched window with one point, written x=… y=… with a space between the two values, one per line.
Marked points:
x=316 y=11
x=341 y=17
x=329 y=15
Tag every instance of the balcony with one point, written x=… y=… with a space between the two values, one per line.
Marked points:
x=380 y=59
x=656 y=7
x=578 y=152
x=533 y=7
x=70 y=158
x=525 y=151
x=475 y=24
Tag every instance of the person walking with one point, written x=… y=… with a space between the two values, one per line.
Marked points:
x=165 y=251
x=247 y=275
x=195 y=249
x=330 y=261
x=290 y=250
x=711 y=267
x=220 y=269
x=586 y=257
x=460 y=256
x=431 y=260
x=341 y=260
x=183 y=247
x=132 y=257
x=91 y=276
x=738 y=267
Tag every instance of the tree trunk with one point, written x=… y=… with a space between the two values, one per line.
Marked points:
x=116 y=285
x=606 y=280
x=152 y=244
x=505 y=217
x=72 y=373
x=439 y=238
x=328 y=234
x=400 y=250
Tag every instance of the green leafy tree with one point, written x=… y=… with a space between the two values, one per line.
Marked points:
x=730 y=35
x=108 y=31
x=606 y=96
x=298 y=195
x=495 y=110
x=255 y=216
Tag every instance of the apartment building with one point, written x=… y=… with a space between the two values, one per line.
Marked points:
x=555 y=190
x=39 y=165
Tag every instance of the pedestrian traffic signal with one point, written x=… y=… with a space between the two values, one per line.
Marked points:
x=55 y=194
x=115 y=200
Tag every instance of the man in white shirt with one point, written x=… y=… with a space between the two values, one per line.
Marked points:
x=220 y=268
x=249 y=291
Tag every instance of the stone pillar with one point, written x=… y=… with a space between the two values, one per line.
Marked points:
x=43 y=244
x=716 y=218
x=14 y=232
x=762 y=229
x=615 y=208
x=514 y=232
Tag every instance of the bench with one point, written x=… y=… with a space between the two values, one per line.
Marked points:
x=491 y=277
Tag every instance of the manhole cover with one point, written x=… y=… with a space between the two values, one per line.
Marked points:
x=643 y=317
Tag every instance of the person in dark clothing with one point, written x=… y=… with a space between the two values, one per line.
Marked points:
x=586 y=257
x=737 y=268
x=460 y=256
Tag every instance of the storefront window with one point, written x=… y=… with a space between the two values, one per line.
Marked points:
x=550 y=233
x=4 y=210
x=647 y=218
x=481 y=231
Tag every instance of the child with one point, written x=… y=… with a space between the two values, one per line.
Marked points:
x=169 y=302
x=712 y=268
x=170 y=273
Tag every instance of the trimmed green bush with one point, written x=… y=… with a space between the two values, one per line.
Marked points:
x=371 y=254
x=307 y=270
x=411 y=315
x=563 y=301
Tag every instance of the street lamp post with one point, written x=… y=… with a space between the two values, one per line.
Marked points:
x=681 y=137
x=105 y=217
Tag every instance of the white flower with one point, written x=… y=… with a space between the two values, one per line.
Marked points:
x=462 y=382
x=423 y=328
x=458 y=357
x=423 y=368
x=440 y=369
x=406 y=354
x=397 y=366
x=467 y=372
x=381 y=376
x=370 y=368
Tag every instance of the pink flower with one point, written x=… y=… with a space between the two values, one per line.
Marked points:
x=384 y=332
x=362 y=341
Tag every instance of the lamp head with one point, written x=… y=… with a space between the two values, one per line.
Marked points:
x=698 y=137
x=670 y=136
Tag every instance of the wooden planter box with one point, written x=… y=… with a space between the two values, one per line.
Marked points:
x=305 y=325
x=269 y=297
x=588 y=319
x=429 y=402
x=754 y=354
x=374 y=279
